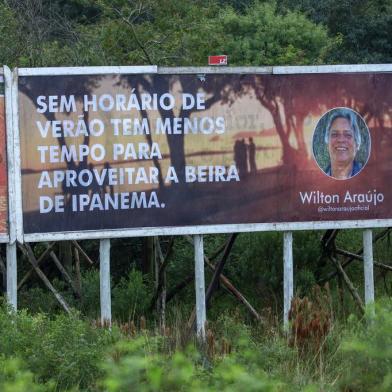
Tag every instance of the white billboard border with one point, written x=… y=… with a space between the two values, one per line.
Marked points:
x=11 y=251
x=206 y=229
x=178 y=230
x=17 y=158
x=4 y=78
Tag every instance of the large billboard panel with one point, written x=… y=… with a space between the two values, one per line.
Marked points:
x=129 y=151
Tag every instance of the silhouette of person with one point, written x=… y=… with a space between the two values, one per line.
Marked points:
x=237 y=154
x=252 y=156
x=243 y=155
x=94 y=187
x=105 y=184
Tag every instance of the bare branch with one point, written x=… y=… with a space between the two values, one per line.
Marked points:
x=130 y=23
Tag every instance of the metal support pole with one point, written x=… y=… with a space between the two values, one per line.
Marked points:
x=12 y=283
x=200 y=288
x=11 y=89
x=368 y=265
x=104 y=277
x=288 y=276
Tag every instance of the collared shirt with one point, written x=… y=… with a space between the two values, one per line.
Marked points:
x=357 y=166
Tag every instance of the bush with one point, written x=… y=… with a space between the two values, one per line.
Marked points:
x=38 y=300
x=130 y=368
x=131 y=297
x=65 y=350
x=90 y=305
x=367 y=351
x=15 y=378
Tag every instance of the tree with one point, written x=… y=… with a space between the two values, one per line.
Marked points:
x=363 y=27
x=38 y=33
x=262 y=36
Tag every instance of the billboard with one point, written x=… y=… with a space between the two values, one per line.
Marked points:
x=106 y=152
x=3 y=166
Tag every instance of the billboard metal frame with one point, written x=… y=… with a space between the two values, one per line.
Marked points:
x=6 y=78
x=176 y=230
x=4 y=238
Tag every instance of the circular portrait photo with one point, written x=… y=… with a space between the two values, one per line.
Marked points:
x=341 y=143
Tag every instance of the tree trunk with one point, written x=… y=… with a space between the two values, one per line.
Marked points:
x=147 y=258
x=65 y=251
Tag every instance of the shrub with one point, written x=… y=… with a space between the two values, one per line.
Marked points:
x=65 y=350
x=367 y=351
x=131 y=297
x=134 y=366
x=89 y=304
x=15 y=378
x=37 y=299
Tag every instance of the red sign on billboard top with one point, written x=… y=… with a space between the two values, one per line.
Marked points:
x=217 y=60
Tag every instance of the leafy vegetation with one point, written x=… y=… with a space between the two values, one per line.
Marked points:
x=67 y=353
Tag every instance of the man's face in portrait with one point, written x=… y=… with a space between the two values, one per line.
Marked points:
x=341 y=146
